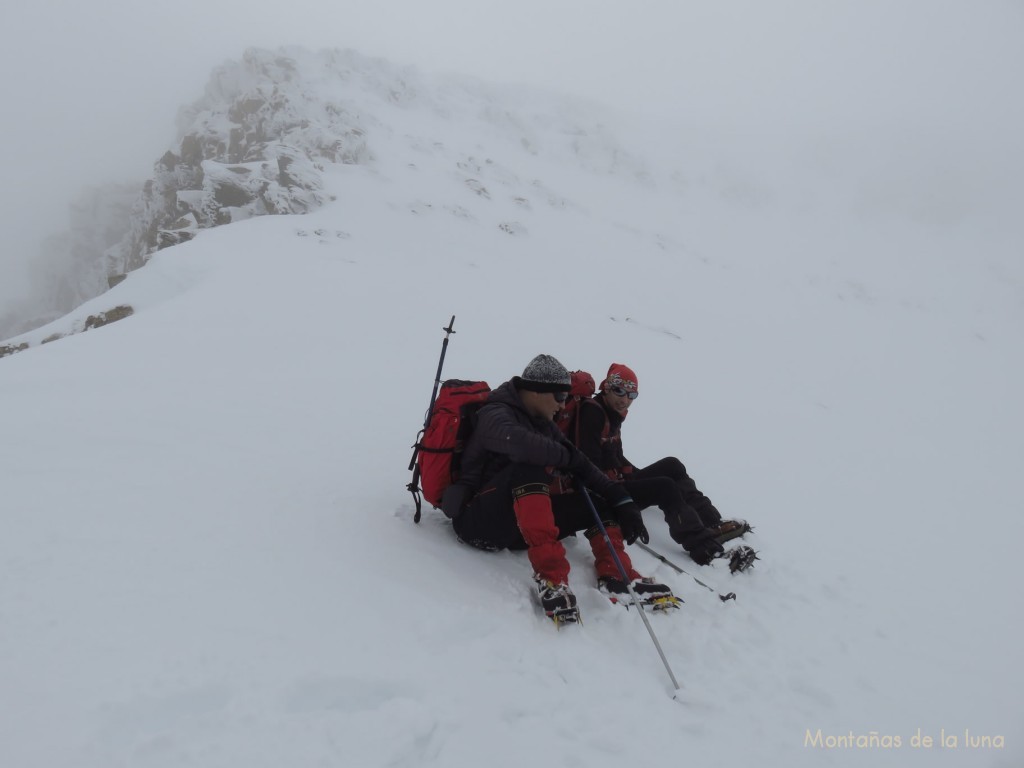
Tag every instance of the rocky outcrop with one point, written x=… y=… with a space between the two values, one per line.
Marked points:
x=98 y=320
x=256 y=144
x=10 y=349
x=267 y=129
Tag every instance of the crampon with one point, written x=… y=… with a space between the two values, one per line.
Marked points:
x=561 y=616
x=740 y=558
x=558 y=602
x=650 y=595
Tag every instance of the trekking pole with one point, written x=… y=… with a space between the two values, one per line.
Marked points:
x=629 y=588
x=413 y=487
x=677 y=569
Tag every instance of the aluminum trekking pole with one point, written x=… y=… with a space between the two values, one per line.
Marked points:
x=414 y=485
x=629 y=588
x=677 y=569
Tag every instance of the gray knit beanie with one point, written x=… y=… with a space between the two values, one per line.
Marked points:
x=544 y=374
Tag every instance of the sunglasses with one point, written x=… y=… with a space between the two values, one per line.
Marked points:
x=620 y=392
x=560 y=397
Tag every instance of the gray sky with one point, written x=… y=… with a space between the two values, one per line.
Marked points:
x=90 y=91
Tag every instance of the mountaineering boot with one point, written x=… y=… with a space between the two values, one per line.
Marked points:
x=650 y=593
x=647 y=588
x=728 y=530
x=643 y=587
x=557 y=600
x=703 y=548
x=609 y=578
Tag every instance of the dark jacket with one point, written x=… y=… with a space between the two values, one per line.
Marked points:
x=506 y=433
x=599 y=436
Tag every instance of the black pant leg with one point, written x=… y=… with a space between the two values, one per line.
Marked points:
x=489 y=520
x=672 y=467
x=572 y=513
x=683 y=521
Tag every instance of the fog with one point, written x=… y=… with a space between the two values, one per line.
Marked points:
x=916 y=93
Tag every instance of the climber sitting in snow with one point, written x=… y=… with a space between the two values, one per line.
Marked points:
x=502 y=501
x=693 y=521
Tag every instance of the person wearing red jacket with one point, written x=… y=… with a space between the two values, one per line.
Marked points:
x=502 y=501
x=693 y=521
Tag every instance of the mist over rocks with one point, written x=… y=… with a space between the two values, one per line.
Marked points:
x=255 y=144
x=267 y=126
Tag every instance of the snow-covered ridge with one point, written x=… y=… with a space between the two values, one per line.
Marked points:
x=268 y=125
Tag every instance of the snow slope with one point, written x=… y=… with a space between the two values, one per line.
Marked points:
x=209 y=557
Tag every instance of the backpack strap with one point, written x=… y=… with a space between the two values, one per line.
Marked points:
x=576 y=418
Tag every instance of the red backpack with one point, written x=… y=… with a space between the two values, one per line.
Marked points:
x=583 y=388
x=439 y=452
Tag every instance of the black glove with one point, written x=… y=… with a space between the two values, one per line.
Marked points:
x=631 y=522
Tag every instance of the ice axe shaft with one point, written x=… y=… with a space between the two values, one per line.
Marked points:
x=413 y=487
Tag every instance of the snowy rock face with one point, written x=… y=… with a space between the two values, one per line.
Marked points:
x=255 y=144
x=267 y=128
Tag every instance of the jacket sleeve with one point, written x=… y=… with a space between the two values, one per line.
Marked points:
x=500 y=432
x=585 y=470
x=626 y=466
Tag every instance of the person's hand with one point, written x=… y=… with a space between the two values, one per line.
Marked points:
x=632 y=523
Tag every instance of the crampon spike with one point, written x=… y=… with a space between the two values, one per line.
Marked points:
x=565 y=616
x=740 y=558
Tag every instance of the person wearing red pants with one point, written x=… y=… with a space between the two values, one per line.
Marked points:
x=502 y=501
